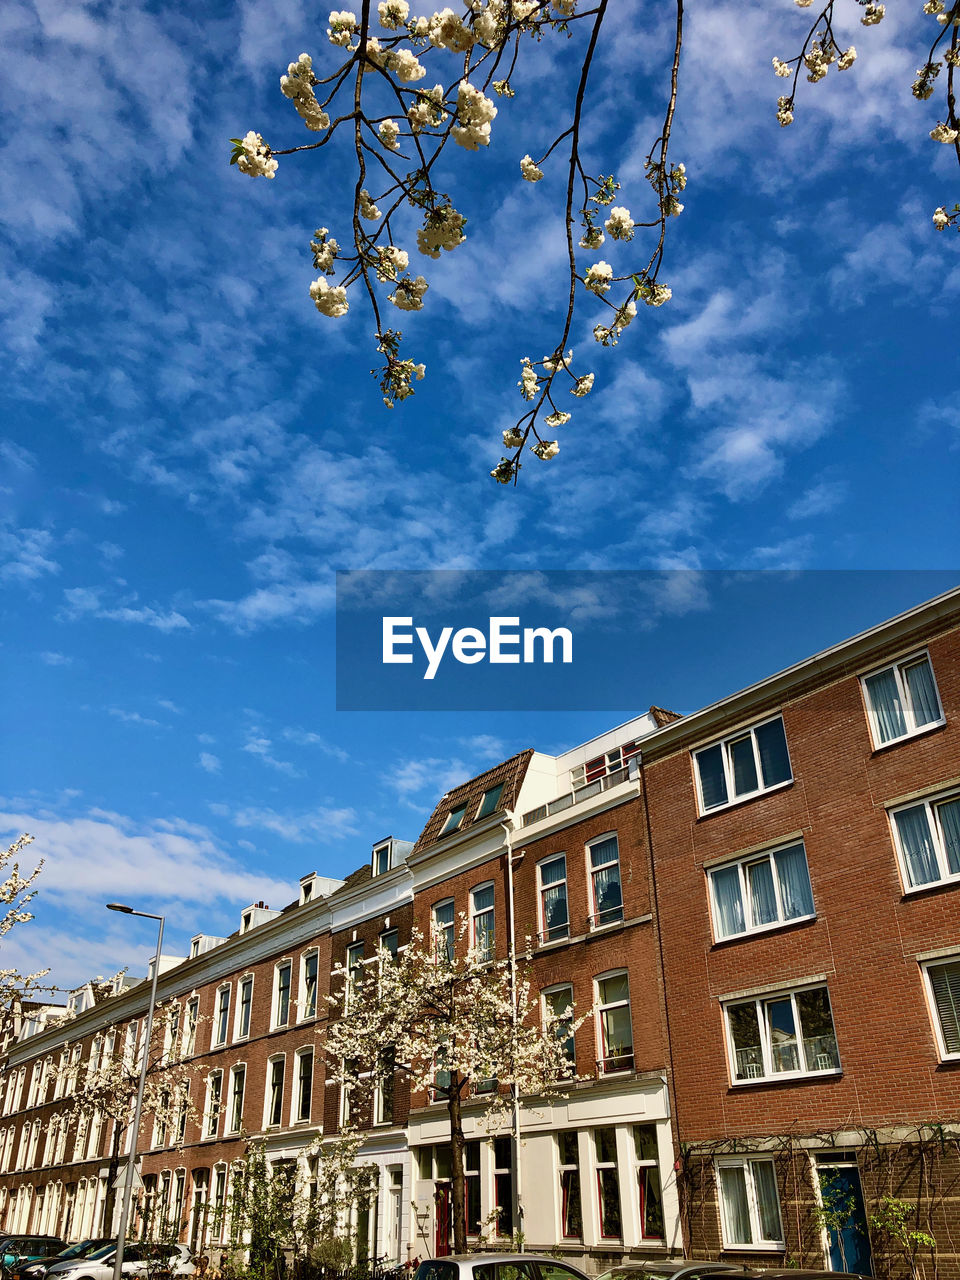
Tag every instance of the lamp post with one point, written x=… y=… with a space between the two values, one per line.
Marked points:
x=131 y=1162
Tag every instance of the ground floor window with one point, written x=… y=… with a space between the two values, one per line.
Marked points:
x=749 y=1202
x=571 y=1213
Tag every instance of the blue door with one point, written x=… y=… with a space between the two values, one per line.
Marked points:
x=850 y=1244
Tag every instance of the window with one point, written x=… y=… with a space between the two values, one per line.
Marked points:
x=503 y=1185
x=244 y=1005
x=608 y=1184
x=648 y=1181
x=211 y=1111
x=354 y=967
x=787 y=1034
x=571 y=1214
x=281 y=995
x=304 y=1096
x=761 y=891
x=443 y=928
x=381 y=859
x=554 y=915
x=238 y=1082
x=471 y=1187
x=943 y=985
x=490 y=802
x=482 y=927
x=604 y=858
x=615 y=1030
x=222 y=1019
x=749 y=1204
x=275 y=1069
x=454 y=820
x=558 y=1017
x=389 y=942
x=603 y=766
x=190 y=1027
x=928 y=841
x=743 y=765
x=308 y=1001
x=902 y=699
x=383 y=1092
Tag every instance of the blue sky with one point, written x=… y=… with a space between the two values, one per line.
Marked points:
x=189 y=450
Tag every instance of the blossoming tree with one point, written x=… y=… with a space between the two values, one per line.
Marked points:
x=450 y=1020
x=15 y=893
x=374 y=91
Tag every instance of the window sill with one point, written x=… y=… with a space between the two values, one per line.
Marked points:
x=769 y=1246
x=878 y=748
x=754 y=795
x=787 y=1077
x=763 y=929
x=948 y=882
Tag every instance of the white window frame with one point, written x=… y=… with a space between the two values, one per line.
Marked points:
x=213 y=1104
x=385 y=849
x=246 y=981
x=602 y=1056
x=228 y=1125
x=449 y=829
x=278 y=968
x=489 y=952
x=220 y=1031
x=448 y=931
x=742 y=864
x=379 y=1117
x=295 y=1109
x=758 y=1242
x=268 y=1107
x=595 y=921
x=542 y=889
x=767 y=1073
x=898 y=667
x=305 y=1014
x=926 y=965
x=354 y=959
x=725 y=743
x=190 y=1022
x=550 y=1021
x=930 y=805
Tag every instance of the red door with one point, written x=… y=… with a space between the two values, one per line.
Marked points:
x=442 y=1201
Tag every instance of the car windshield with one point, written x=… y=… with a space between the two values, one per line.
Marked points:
x=102 y=1252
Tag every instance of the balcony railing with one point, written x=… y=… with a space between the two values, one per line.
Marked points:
x=575 y=797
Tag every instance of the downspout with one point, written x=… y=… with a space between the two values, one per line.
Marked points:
x=508 y=827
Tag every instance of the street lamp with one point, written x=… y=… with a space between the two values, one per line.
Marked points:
x=128 y=1179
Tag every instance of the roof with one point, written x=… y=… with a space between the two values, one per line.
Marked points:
x=510 y=772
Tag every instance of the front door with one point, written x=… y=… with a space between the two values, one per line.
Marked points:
x=844 y=1215
x=442 y=1199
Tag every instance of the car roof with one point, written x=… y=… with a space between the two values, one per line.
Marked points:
x=498 y=1257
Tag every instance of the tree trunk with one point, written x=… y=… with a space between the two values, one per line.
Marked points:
x=456 y=1165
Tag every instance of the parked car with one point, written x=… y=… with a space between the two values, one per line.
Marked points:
x=16 y=1249
x=672 y=1269
x=38 y=1268
x=784 y=1273
x=138 y=1260
x=69 y=1265
x=496 y=1266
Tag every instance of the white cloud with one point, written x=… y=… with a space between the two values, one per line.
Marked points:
x=133 y=717
x=818 y=500
x=53 y=659
x=85 y=601
x=209 y=762
x=262 y=748
x=323 y=824
x=25 y=555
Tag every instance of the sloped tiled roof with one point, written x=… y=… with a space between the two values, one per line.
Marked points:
x=510 y=772
x=662 y=717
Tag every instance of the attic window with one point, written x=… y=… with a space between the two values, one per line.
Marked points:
x=194 y=948
x=455 y=819
x=307 y=891
x=247 y=917
x=490 y=802
x=381 y=859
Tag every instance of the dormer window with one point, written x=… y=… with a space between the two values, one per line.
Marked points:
x=247 y=917
x=307 y=891
x=455 y=820
x=194 y=947
x=490 y=802
x=381 y=859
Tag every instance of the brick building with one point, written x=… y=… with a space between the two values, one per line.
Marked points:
x=756 y=903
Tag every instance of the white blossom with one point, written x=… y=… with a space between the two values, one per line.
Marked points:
x=872 y=14
x=943 y=133
x=785 y=111
x=529 y=382
x=475 y=111
x=388 y=133
x=405 y=65
x=558 y=361
x=620 y=224
x=598 y=278
x=546 y=449
x=941 y=219
x=408 y=295
x=584 y=385
x=847 y=59
x=393 y=13
x=343 y=25
x=391 y=261
x=255 y=158
x=513 y=438
x=607 y=335
x=654 y=295
x=592 y=238
x=557 y=419
x=325 y=250
x=446 y=31
x=366 y=207
x=781 y=68
x=427 y=111
x=933 y=6
x=297 y=85
x=443 y=229
x=529 y=170
x=329 y=300
x=818 y=61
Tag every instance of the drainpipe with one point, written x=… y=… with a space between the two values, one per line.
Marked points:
x=508 y=828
